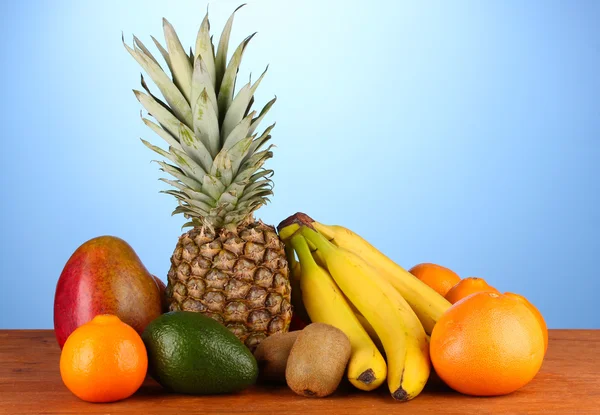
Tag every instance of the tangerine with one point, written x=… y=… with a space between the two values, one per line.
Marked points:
x=468 y=286
x=441 y=279
x=104 y=360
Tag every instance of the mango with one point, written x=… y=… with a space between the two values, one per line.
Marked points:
x=104 y=276
x=162 y=289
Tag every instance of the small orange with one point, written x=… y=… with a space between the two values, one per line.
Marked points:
x=468 y=286
x=104 y=360
x=437 y=277
x=487 y=344
x=536 y=313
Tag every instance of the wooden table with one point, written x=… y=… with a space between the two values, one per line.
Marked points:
x=568 y=383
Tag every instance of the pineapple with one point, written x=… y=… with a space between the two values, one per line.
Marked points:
x=228 y=266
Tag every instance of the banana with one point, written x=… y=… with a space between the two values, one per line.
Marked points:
x=362 y=320
x=370 y=330
x=317 y=256
x=325 y=303
x=288 y=231
x=399 y=329
x=427 y=304
x=295 y=273
x=293 y=264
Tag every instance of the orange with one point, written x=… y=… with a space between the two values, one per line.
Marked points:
x=468 y=286
x=487 y=344
x=437 y=277
x=537 y=315
x=104 y=360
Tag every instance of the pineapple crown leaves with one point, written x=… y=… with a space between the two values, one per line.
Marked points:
x=215 y=156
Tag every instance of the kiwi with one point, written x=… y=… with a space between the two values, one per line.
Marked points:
x=318 y=360
x=272 y=356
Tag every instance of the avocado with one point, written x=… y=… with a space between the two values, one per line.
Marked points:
x=193 y=354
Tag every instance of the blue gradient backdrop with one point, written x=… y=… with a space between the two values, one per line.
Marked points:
x=461 y=133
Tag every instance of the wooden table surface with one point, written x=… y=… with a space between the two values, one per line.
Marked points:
x=568 y=383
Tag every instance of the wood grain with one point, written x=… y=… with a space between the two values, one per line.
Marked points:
x=569 y=383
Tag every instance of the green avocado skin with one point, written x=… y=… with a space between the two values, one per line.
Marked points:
x=194 y=354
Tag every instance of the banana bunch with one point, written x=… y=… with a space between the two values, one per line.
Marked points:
x=342 y=280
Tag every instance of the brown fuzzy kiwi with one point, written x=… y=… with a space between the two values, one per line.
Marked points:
x=272 y=356
x=318 y=360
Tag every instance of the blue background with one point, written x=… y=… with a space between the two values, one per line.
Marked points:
x=461 y=133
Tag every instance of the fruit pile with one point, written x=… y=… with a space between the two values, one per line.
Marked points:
x=342 y=280
x=354 y=317
x=235 y=284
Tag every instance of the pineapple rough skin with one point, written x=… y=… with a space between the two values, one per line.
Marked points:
x=238 y=278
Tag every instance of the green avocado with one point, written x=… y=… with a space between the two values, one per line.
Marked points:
x=194 y=354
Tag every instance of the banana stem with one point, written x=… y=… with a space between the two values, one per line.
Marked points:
x=315 y=238
x=301 y=247
x=287 y=232
x=291 y=258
